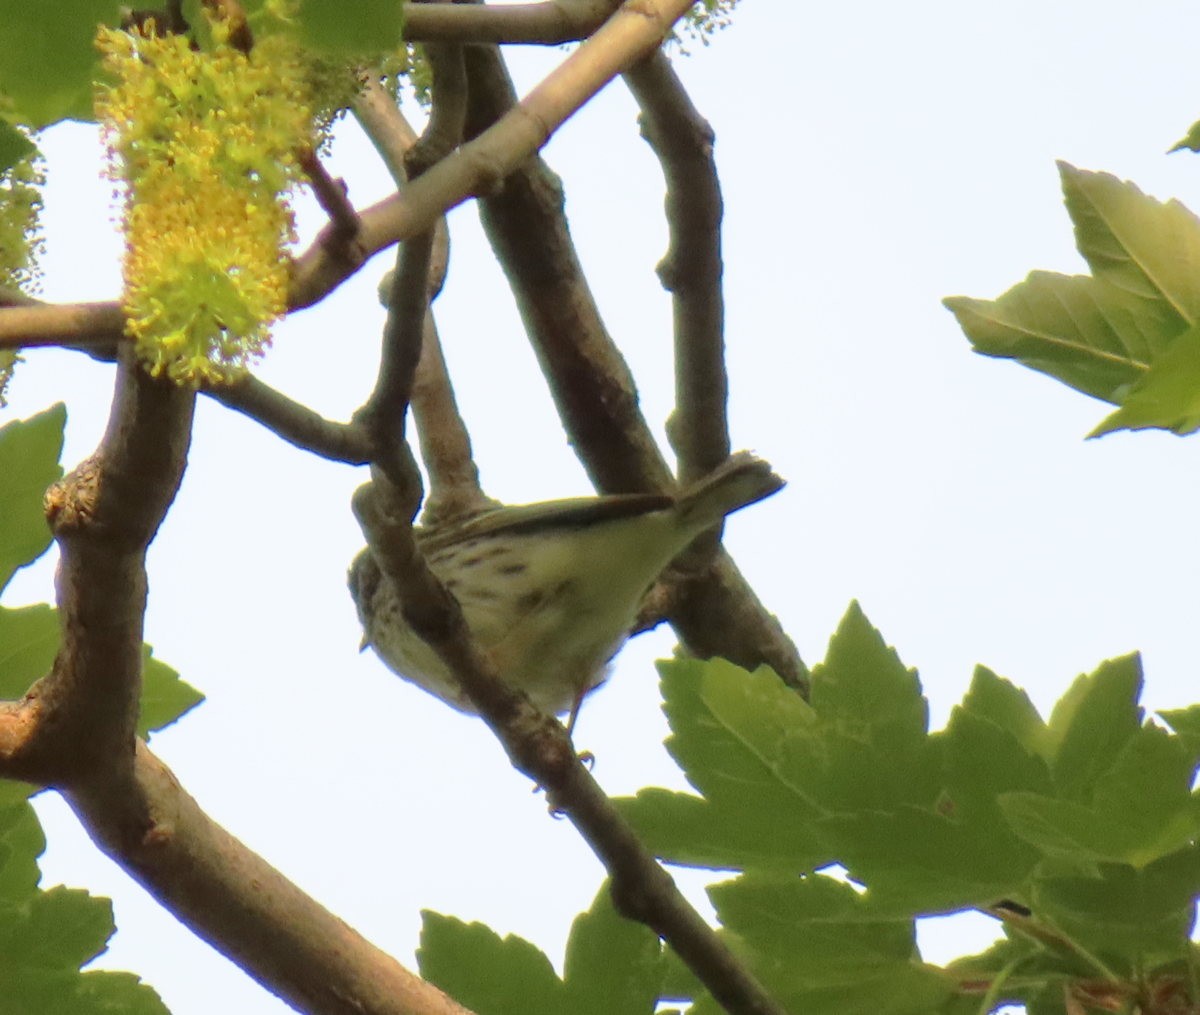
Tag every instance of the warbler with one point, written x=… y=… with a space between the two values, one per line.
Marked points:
x=551 y=590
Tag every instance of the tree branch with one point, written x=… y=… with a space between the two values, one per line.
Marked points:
x=715 y=612
x=445 y=444
x=74 y=731
x=241 y=905
x=296 y=423
x=691 y=270
x=551 y=23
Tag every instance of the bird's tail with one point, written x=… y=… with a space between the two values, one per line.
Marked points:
x=740 y=480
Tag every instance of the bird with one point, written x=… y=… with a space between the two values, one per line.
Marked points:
x=551 y=590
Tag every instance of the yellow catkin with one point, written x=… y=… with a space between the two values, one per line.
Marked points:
x=204 y=147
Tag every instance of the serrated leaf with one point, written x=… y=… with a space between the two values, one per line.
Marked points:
x=1117 y=334
x=1186 y=724
x=613 y=965
x=1092 y=722
x=165 y=697
x=1142 y=808
x=14 y=146
x=29 y=451
x=1145 y=247
x=29 y=639
x=486 y=973
x=62 y=928
x=873 y=723
x=1085 y=333
x=999 y=701
x=915 y=861
x=47 y=64
x=1139 y=917
x=741 y=739
x=728 y=835
x=21 y=843
x=1191 y=140
x=818 y=946
x=1167 y=396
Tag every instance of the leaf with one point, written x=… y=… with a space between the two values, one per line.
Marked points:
x=1077 y=329
x=1140 y=917
x=1123 y=334
x=1167 y=396
x=916 y=861
x=1186 y=724
x=62 y=927
x=1191 y=140
x=29 y=639
x=743 y=739
x=1143 y=246
x=374 y=28
x=613 y=966
x=872 y=722
x=818 y=946
x=486 y=973
x=14 y=146
x=1005 y=705
x=47 y=61
x=165 y=697
x=21 y=843
x=1142 y=807
x=29 y=451
x=1092 y=722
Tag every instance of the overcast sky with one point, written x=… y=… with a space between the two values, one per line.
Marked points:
x=875 y=158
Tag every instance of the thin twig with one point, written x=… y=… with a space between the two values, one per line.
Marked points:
x=691 y=271
x=715 y=612
x=454 y=488
x=296 y=423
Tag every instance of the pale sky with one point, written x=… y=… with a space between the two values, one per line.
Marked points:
x=874 y=158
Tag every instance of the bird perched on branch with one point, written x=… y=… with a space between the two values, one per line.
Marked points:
x=550 y=591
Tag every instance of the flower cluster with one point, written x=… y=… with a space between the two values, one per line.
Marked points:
x=20 y=238
x=204 y=145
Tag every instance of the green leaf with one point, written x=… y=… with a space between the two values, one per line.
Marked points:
x=1143 y=246
x=486 y=973
x=62 y=927
x=1137 y=917
x=819 y=946
x=14 y=146
x=165 y=697
x=1005 y=705
x=1118 y=335
x=21 y=843
x=29 y=451
x=1167 y=396
x=1079 y=330
x=29 y=639
x=1092 y=722
x=613 y=966
x=1186 y=724
x=1142 y=807
x=362 y=28
x=48 y=59
x=916 y=861
x=1191 y=140
x=873 y=724
x=744 y=740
